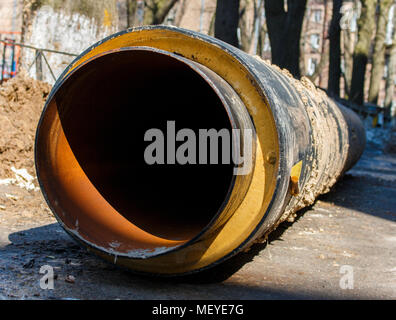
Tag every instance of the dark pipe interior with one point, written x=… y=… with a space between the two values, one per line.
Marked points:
x=105 y=109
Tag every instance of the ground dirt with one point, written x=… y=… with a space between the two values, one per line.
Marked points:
x=353 y=225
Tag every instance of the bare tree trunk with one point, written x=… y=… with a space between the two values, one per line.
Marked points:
x=212 y=25
x=257 y=25
x=390 y=79
x=347 y=52
x=324 y=53
x=390 y=83
x=131 y=12
x=245 y=24
x=366 y=25
x=325 y=45
x=227 y=21
x=324 y=57
x=303 y=41
x=157 y=10
x=335 y=50
x=181 y=9
x=284 y=30
x=262 y=35
x=377 y=70
x=250 y=28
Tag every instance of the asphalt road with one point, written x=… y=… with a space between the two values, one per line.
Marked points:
x=352 y=230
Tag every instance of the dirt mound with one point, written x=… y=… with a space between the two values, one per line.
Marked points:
x=21 y=102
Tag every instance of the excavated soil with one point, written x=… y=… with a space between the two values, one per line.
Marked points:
x=21 y=102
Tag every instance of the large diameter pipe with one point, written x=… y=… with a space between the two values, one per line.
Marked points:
x=173 y=218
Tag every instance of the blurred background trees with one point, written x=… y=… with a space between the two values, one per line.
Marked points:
x=227 y=21
x=346 y=47
x=366 y=24
x=335 y=50
x=284 y=22
x=147 y=12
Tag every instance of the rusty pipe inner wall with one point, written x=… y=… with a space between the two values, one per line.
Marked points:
x=173 y=218
x=105 y=132
x=99 y=175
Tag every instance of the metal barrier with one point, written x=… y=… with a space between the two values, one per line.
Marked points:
x=9 y=69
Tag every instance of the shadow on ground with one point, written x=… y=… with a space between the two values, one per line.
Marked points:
x=97 y=279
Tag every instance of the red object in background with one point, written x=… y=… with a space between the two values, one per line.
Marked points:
x=9 y=69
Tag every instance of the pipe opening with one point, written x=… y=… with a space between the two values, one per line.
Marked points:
x=99 y=176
